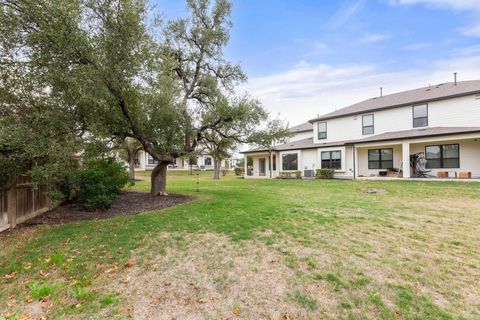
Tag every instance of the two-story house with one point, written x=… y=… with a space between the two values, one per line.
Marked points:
x=377 y=137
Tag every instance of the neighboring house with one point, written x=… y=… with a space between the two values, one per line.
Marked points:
x=376 y=137
x=204 y=161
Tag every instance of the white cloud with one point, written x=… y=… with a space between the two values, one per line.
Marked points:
x=415 y=46
x=345 y=13
x=444 y=4
x=304 y=91
x=472 y=30
x=372 y=38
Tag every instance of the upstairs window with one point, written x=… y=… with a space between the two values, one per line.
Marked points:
x=420 y=116
x=380 y=158
x=443 y=156
x=322 y=130
x=290 y=162
x=332 y=160
x=367 y=124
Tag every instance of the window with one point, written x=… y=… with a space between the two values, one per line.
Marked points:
x=367 y=124
x=152 y=161
x=274 y=164
x=332 y=159
x=322 y=130
x=290 y=161
x=380 y=159
x=208 y=161
x=443 y=156
x=420 y=116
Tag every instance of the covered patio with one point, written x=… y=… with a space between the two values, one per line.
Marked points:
x=263 y=165
x=449 y=156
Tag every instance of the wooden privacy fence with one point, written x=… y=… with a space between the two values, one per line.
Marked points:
x=22 y=201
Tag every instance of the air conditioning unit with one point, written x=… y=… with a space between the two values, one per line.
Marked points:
x=309 y=173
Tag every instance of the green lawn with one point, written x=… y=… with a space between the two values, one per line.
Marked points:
x=258 y=249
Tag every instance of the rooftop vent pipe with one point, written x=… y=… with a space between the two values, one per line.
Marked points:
x=381 y=92
x=455 y=78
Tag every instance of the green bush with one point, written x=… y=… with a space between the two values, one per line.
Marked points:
x=238 y=172
x=97 y=183
x=325 y=173
x=298 y=174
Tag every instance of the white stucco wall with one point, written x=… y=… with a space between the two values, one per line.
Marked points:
x=456 y=112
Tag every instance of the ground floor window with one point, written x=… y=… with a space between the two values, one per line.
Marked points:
x=274 y=164
x=290 y=161
x=332 y=159
x=380 y=158
x=443 y=156
x=208 y=161
x=152 y=161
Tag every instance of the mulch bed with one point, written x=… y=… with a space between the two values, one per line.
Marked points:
x=127 y=203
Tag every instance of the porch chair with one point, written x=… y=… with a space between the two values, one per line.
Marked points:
x=421 y=170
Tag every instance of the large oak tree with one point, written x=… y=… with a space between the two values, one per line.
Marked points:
x=123 y=76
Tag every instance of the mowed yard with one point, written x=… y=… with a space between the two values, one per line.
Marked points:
x=258 y=249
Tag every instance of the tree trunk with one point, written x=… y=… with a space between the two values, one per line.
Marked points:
x=132 y=169
x=159 y=180
x=217 y=164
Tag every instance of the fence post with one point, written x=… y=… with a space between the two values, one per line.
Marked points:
x=12 y=205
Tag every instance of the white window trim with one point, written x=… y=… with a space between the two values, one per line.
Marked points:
x=343 y=155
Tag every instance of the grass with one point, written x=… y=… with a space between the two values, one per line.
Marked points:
x=314 y=248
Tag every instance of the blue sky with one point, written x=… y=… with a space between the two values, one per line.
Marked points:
x=307 y=57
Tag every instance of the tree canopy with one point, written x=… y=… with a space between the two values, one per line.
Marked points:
x=110 y=72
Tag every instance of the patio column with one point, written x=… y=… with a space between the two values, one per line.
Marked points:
x=355 y=161
x=245 y=166
x=406 y=159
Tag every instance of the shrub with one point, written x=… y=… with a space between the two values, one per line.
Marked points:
x=98 y=183
x=298 y=174
x=325 y=173
x=224 y=172
x=283 y=175
x=238 y=172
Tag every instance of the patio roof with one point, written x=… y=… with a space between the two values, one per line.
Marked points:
x=417 y=133
x=300 y=144
x=387 y=136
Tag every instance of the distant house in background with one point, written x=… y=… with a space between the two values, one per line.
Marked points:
x=204 y=162
x=378 y=136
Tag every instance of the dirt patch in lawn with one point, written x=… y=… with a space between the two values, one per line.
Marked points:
x=127 y=203
x=210 y=276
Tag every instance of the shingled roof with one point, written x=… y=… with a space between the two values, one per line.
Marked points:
x=304 y=127
x=405 y=98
